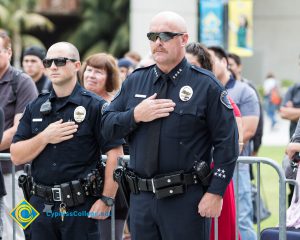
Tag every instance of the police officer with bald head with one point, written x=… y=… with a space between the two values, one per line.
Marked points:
x=60 y=134
x=173 y=114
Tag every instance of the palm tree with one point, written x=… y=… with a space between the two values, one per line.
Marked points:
x=104 y=26
x=16 y=17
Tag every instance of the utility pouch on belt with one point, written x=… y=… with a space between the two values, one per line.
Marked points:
x=67 y=194
x=163 y=181
x=168 y=185
x=78 y=193
x=169 y=191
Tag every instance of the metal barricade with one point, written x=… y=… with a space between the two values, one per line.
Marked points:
x=282 y=192
x=248 y=160
x=6 y=157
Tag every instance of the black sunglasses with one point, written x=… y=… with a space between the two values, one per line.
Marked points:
x=163 y=36
x=59 y=62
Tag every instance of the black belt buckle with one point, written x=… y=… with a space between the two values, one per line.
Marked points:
x=56 y=193
x=171 y=179
x=170 y=191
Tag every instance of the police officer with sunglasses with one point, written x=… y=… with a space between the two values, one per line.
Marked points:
x=60 y=135
x=173 y=114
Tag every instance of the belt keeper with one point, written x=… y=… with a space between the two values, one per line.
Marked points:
x=153 y=187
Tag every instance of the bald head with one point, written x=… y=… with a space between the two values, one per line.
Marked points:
x=169 y=22
x=66 y=49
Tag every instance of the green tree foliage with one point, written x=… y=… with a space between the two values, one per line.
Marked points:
x=17 y=17
x=104 y=27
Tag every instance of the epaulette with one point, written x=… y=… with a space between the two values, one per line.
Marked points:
x=90 y=94
x=87 y=93
x=207 y=73
x=143 y=68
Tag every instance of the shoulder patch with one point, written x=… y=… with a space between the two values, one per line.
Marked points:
x=86 y=93
x=104 y=106
x=225 y=101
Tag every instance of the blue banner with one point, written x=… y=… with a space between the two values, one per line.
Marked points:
x=211 y=22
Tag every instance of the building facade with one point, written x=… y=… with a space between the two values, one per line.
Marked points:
x=276 y=35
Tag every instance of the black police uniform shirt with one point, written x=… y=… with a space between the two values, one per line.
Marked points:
x=203 y=121
x=74 y=158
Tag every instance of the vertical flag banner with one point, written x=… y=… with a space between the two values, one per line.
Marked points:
x=240 y=33
x=211 y=22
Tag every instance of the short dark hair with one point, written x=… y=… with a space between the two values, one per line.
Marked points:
x=219 y=52
x=202 y=54
x=235 y=58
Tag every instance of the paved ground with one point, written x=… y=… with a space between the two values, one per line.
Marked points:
x=279 y=135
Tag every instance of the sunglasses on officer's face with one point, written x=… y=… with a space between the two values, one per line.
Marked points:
x=59 y=62
x=163 y=36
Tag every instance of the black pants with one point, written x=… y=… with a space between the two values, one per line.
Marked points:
x=169 y=218
x=48 y=227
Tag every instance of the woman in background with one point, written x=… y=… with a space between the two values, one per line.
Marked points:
x=100 y=74
x=198 y=55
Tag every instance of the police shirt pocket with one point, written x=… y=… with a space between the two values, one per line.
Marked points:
x=84 y=128
x=132 y=103
x=184 y=119
x=37 y=127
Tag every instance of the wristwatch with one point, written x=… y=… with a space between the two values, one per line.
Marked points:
x=107 y=200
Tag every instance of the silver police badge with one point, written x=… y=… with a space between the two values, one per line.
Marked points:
x=79 y=114
x=185 y=93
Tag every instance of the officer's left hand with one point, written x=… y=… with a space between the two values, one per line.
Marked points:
x=99 y=210
x=210 y=205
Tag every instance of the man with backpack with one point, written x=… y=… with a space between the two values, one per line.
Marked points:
x=16 y=90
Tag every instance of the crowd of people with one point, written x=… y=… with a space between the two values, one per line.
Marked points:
x=183 y=114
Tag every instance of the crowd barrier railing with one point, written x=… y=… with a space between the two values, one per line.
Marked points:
x=249 y=160
x=6 y=157
x=282 y=191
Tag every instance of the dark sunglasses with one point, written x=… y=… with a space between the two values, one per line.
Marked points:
x=163 y=36
x=59 y=62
